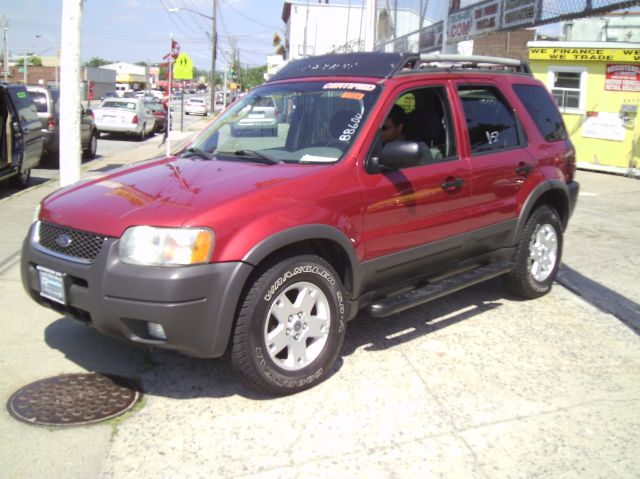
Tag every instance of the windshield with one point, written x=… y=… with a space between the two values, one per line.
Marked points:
x=312 y=122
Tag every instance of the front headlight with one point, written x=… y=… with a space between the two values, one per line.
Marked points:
x=166 y=246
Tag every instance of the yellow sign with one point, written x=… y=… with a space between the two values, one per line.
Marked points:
x=183 y=68
x=585 y=54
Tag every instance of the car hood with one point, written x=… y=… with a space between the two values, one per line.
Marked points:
x=168 y=192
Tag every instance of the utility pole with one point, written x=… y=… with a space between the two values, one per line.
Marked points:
x=24 y=67
x=5 y=53
x=70 y=92
x=214 y=45
x=370 y=25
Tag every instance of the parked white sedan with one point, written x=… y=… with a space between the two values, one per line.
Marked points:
x=196 y=106
x=125 y=115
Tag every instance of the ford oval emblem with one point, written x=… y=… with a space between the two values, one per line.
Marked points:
x=63 y=241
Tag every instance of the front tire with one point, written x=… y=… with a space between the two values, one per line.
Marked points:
x=290 y=326
x=538 y=254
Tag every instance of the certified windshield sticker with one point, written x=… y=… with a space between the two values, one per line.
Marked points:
x=352 y=95
x=351 y=127
x=21 y=94
x=349 y=86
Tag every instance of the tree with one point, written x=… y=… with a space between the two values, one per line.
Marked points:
x=141 y=64
x=281 y=49
x=97 y=62
x=34 y=61
x=252 y=77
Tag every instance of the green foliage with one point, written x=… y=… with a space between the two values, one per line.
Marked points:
x=252 y=77
x=97 y=62
x=34 y=61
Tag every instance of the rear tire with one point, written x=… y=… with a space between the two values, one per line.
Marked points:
x=92 y=148
x=538 y=254
x=143 y=134
x=290 y=326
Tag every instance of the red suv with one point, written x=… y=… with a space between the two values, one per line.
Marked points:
x=262 y=247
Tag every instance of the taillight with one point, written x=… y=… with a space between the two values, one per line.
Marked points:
x=52 y=122
x=135 y=119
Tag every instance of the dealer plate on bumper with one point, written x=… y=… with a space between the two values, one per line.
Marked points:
x=52 y=284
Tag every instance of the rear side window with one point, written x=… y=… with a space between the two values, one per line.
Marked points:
x=39 y=100
x=491 y=123
x=543 y=111
x=23 y=103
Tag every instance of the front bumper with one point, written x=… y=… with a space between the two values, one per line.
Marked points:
x=195 y=305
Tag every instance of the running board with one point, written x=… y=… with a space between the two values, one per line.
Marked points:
x=431 y=291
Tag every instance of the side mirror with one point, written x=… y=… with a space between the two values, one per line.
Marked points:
x=399 y=154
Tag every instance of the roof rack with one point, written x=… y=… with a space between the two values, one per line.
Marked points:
x=366 y=64
x=453 y=60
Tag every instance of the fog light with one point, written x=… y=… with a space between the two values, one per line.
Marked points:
x=156 y=331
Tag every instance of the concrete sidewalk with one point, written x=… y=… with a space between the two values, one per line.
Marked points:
x=476 y=385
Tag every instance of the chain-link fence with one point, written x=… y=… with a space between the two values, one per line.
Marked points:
x=423 y=25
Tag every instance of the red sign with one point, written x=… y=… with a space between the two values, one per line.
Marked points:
x=622 y=77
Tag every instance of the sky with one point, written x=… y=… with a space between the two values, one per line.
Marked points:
x=139 y=30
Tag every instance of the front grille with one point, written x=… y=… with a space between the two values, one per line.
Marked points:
x=79 y=244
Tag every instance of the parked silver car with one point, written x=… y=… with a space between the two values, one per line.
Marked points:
x=196 y=106
x=261 y=117
x=125 y=115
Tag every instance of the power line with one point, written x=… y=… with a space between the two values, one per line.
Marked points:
x=247 y=17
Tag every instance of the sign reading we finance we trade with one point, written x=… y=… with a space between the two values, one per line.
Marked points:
x=585 y=54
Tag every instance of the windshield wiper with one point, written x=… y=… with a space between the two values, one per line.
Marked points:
x=258 y=156
x=191 y=152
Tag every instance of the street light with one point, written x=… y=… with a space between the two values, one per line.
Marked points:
x=214 y=40
x=55 y=47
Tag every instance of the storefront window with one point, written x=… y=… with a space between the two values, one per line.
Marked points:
x=568 y=88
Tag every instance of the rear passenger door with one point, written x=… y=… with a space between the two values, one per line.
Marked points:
x=496 y=148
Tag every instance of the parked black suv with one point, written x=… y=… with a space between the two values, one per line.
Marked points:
x=20 y=138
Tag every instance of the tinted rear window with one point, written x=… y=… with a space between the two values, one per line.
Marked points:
x=490 y=120
x=543 y=111
x=39 y=100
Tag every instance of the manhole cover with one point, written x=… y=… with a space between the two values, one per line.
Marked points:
x=73 y=399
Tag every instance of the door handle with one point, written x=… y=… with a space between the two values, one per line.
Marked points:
x=452 y=184
x=524 y=169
